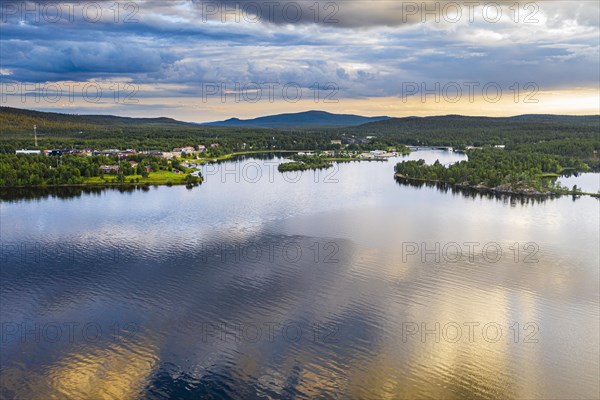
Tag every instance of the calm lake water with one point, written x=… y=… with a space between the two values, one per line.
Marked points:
x=588 y=182
x=330 y=284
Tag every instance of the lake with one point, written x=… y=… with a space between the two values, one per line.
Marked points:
x=340 y=283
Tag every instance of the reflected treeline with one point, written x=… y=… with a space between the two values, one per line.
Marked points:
x=571 y=173
x=512 y=199
x=63 y=192
x=257 y=156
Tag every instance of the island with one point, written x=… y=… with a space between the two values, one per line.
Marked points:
x=322 y=160
x=500 y=171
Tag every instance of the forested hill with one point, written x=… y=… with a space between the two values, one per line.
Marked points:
x=16 y=120
x=456 y=130
x=106 y=131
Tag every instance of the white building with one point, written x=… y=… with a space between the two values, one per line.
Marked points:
x=23 y=151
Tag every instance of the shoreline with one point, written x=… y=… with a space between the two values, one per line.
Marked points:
x=338 y=159
x=243 y=153
x=483 y=188
x=97 y=185
x=181 y=182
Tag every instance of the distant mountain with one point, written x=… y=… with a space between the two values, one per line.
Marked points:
x=300 y=120
x=442 y=130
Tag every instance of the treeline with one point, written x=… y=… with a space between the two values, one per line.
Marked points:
x=585 y=149
x=493 y=168
x=40 y=170
x=228 y=143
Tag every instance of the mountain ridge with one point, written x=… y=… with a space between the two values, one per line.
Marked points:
x=311 y=118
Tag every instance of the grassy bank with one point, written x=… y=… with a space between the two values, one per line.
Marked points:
x=153 y=178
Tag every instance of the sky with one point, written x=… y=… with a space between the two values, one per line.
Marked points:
x=200 y=61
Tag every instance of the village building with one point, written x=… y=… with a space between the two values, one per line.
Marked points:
x=109 y=169
x=23 y=151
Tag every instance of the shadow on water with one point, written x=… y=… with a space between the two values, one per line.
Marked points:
x=65 y=192
x=472 y=193
x=256 y=156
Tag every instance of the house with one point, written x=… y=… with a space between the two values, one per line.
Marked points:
x=109 y=169
x=147 y=169
x=213 y=145
x=133 y=164
x=28 y=152
x=201 y=148
x=188 y=149
x=153 y=153
x=339 y=142
x=177 y=150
